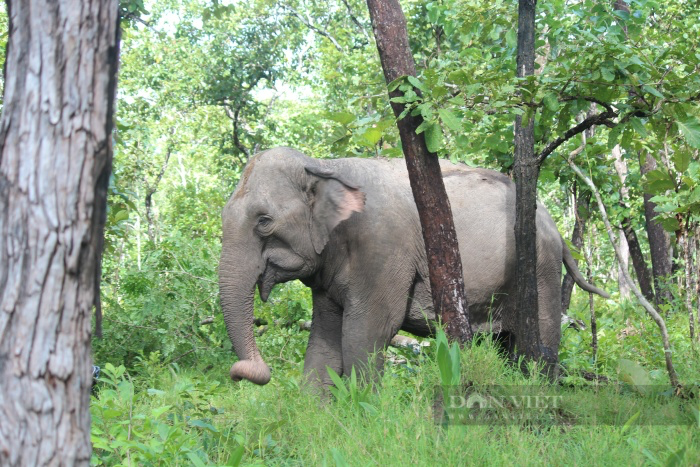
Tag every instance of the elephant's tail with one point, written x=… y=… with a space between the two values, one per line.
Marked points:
x=571 y=267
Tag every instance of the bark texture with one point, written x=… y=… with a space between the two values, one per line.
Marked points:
x=444 y=261
x=526 y=172
x=55 y=160
x=659 y=240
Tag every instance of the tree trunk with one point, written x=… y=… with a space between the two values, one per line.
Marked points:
x=685 y=241
x=659 y=240
x=581 y=206
x=55 y=161
x=591 y=304
x=526 y=172
x=623 y=268
x=444 y=261
x=623 y=263
x=638 y=261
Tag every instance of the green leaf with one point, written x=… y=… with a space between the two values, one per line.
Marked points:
x=236 y=456
x=158 y=411
x=416 y=83
x=681 y=160
x=396 y=83
x=455 y=361
x=658 y=181
x=653 y=91
x=638 y=127
x=551 y=102
x=614 y=136
x=512 y=37
x=121 y=216
x=372 y=135
x=204 y=425
x=344 y=118
x=691 y=131
x=608 y=74
x=450 y=119
x=196 y=461
x=433 y=137
x=341 y=391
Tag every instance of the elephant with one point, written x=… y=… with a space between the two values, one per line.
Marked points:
x=349 y=229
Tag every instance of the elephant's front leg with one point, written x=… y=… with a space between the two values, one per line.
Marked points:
x=324 y=348
x=368 y=327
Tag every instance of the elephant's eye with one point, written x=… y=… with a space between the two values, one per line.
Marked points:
x=264 y=221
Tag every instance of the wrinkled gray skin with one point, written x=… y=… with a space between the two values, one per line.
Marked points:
x=349 y=229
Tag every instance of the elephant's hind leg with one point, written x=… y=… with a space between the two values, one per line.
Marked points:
x=549 y=311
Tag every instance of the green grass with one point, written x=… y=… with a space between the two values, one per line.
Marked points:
x=175 y=416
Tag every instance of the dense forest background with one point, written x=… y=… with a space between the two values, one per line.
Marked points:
x=204 y=85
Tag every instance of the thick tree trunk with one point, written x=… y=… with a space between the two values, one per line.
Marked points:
x=659 y=240
x=581 y=206
x=526 y=172
x=444 y=262
x=55 y=161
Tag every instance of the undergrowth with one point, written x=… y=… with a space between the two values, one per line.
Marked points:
x=158 y=414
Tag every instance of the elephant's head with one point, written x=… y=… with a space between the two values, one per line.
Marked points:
x=275 y=227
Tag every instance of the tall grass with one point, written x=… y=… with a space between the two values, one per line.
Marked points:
x=172 y=416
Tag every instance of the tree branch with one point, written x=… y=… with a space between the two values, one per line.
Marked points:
x=603 y=118
x=673 y=377
x=313 y=27
x=354 y=19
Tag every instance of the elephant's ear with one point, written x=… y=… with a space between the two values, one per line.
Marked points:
x=332 y=201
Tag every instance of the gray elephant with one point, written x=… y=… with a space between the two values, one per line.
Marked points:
x=349 y=230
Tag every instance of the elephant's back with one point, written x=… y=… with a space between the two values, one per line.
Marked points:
x=483 y=208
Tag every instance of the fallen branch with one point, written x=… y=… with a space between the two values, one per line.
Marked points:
x=643 y=301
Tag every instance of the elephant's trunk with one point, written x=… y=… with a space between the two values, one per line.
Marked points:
x=237 y=303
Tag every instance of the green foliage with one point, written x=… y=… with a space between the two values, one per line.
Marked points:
x=349 y=391
x=130 y=427
x=228 y=424
x=448 y=360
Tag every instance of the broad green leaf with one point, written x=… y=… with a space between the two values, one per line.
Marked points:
x=638 y=127
x=416 y=83
x=433 y=12
x=670 y=224
x=344 y=118
x=121 y=215
x=551 y=102
x=681 y=160
x=236 y=456
x=653 y=91
x=450 y=119
x=690 y=128
x=607 y=74
x=433 y=137
x=396 y=83
x=372 y=135
x=658 y=181
x=512 y=37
